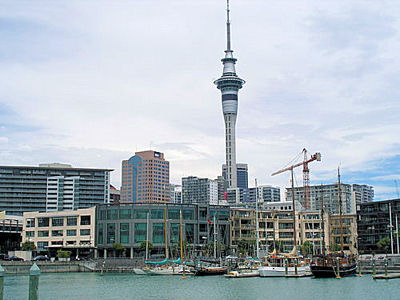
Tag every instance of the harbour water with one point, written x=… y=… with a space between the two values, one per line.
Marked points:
x=126 y=286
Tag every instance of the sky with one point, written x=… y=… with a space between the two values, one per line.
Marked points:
x=91 y=82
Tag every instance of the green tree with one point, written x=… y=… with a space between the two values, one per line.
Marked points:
x=384 y=244
x=28 y=246
x=63 y=254
x=118 y=248
x=142 y=246
x=306 y=248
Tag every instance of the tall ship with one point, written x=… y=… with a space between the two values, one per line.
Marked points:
x=334 y=264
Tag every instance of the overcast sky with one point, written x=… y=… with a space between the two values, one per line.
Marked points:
x=91 y=82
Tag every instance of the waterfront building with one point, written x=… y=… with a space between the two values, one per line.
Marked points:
x=229 y=84
x=235 y=196
x=66 y=230
x=241 y=175
x=222 y=190
x=199 y=190
x=131 y=224
x=175 y=191
x=328 y=194
x=145 y=178
x=276 y=229
x=52 y=187
x=265 y=193
x=376 y=221
x=10 y=232
x=115 y=195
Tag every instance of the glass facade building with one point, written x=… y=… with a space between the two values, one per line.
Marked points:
x=52 y=187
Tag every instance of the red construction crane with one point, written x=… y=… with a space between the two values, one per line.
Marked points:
x=306 y=174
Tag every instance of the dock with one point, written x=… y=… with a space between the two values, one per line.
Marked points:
x=386 y=276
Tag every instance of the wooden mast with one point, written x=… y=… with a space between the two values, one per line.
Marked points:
x=340 y=214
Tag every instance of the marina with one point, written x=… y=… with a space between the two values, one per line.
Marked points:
x=129 y=286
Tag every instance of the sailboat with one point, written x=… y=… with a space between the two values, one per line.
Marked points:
x=286 y=264
x=335 y=264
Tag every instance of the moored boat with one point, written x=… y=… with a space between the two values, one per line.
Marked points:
x=283 y=266
x=242 y=274
x=333 y=265
x=206 y=271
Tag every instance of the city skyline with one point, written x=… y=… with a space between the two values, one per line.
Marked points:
x=124 y=77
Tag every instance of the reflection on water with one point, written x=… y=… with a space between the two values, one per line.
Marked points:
x=126 y=286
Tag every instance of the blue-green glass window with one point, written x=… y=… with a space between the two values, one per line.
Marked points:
x=173 y=214
x=124 y=233
x=85 y=232
x=157 y=214
x=110 y=233
x=189 y=232
x=223 y=215
x=30 y=234
x=71 y=232
x=100 y=236
x=125 y=213
x=112 y=214
x=103 y=215
x=140 y=214
x=174 y=233
x=188 y=214
x=158 y=233
x=140 y=232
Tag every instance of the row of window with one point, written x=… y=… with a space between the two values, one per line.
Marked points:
x=69 y=232
x=58 y=221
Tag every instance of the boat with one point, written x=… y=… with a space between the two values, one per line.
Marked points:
x=242 y=274
x=206 y=271
x=284 y=266
x=333 y=265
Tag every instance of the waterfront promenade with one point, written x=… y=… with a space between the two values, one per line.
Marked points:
x=128 y=286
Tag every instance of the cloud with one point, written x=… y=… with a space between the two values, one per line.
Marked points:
x=107 y=79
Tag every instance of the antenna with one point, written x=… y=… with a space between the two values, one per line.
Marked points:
x=228 y=28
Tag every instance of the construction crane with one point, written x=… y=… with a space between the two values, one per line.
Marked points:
x=304 y=163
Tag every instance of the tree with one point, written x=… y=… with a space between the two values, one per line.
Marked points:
x=384 y=244
x=142 y=246
x=118 y=248
x=306 y=248
x=63 y=254
x=28 y=246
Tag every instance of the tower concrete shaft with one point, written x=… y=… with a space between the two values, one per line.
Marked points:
x=229 y=84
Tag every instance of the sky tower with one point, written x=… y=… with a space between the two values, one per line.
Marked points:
x=229 y=84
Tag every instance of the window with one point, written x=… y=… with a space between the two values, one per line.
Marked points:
x=100 y=236
x=188 y=214
x=157 y=214
x=112 y=214
x=140 y=232
x=71 y=232
x=42 y=245
x=72 y=221
x=125 y=213
x=57 y=222
x=43 y=233
x=173 y=214
x=85 y=220
x=124 y=233
x=140 y=214
x=56 y=233
x=174 y=233
x=85 y=232
x=30 y=234
x=30 y=223
x=43 y=222
x=158 y=233
x=111 y=233
x=189 y=232
x=57 y=243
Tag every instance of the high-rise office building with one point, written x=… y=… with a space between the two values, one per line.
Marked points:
x=265 y=193
x=199 y=190
x=241 y=175
x=145 y=178
x=175 y=192
x=52 y=187
x=229 y=84
x=328 y=195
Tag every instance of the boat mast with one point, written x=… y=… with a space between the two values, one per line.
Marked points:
x=323 y=222
x=181 y=242
x=147 y=235
x=215 y=238
x=257 y=231
x=166 y=231
x=340 y=214
x=294 y=214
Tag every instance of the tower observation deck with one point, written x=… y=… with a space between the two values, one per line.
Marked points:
x=229 y=84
